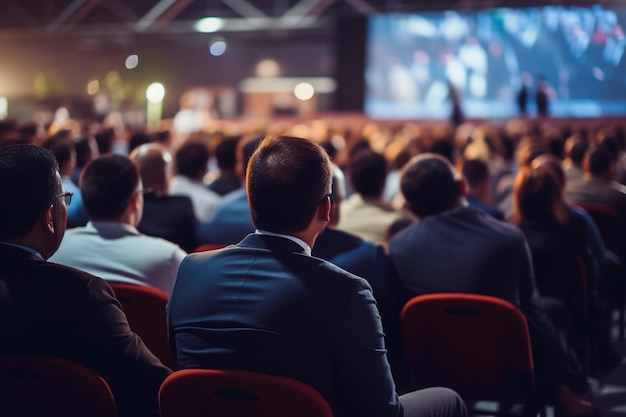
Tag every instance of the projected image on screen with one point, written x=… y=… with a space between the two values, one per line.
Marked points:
x=498 y=63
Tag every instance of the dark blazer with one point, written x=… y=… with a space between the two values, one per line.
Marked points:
x=170 y=217
x=367 y=260
x=355 y=255
x=264 y=305
x=468 y=251
x=52 y=310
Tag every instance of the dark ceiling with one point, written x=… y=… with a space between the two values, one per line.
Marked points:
x=35 y=18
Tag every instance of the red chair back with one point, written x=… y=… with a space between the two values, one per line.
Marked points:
x=228 y=393
x=209 y=246
x=145 y=310
x=36 y=386
x=477 y=345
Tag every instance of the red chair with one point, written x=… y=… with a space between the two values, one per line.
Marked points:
x=227 y=393
x=145 y=310
x=50 y=387
x=477 y=345
x=209 y=246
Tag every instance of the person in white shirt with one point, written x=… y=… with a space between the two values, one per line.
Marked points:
x=191 y=166
x=110 y=246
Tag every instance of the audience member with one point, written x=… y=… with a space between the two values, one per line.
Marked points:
x=476 y=173
x=490 y=258
x=357 y=256
x=192 y=161
x=170 y=217
x=137 y=139
x=256 y=306
x=365 y=213
x=227 y=179
x=54 y=311
x=555 y=239
x=575 y=149
x=110 y=246
x=232 y=222
x=105 y=141
x=63 y=150
x=598 y=185
x=86 y=149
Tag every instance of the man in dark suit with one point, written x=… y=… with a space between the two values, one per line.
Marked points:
x=51 y=310
x=267 y=305
x=456 y=248
x=170 y=217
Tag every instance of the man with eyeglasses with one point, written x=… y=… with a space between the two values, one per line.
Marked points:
x=110 y=246
x=51 y=310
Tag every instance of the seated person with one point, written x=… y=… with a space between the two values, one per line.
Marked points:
x=192 y=161
x=54 y=311
x=263 y=305
x=63 y=149
x=476 y=173
x=110 y=245
x=455 y=248
x=227 y=179
x=231 y=222
x=365 y=213
x=170 y=217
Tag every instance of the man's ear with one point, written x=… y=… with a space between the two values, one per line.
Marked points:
x=47 y=219
x=323 y=210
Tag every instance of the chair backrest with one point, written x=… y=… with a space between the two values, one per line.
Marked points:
x=477 y=345
x=36 y=386
x=610 y=225
x=145 y=310
x=209 y=246
x=229 y=393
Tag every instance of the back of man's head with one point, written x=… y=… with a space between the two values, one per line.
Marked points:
x=368 y=172
x=429 y=185
x=86 y=149
x=192 y=159
x=30 y=184
x=226 y=153
x=287 y=179
x=475 y=172
x=598 y=161
x=107 y=186
x=575 y=148
x=63 y=150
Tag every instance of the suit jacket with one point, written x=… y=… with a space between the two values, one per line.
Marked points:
x=52 y=310
x=231 y=221
x=170 y=217
x=264 y=305
x=468 y=251
x=357 y=256
x=369 y=261
x=464 y=250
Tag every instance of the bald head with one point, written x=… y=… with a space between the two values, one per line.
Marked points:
x=154 y=163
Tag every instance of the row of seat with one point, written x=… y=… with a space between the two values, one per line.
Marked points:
x=477 y=345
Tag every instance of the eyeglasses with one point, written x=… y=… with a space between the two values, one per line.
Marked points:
x=67 y=198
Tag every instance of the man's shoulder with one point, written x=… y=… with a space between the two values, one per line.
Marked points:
x=297 y=263
x=59 y=276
